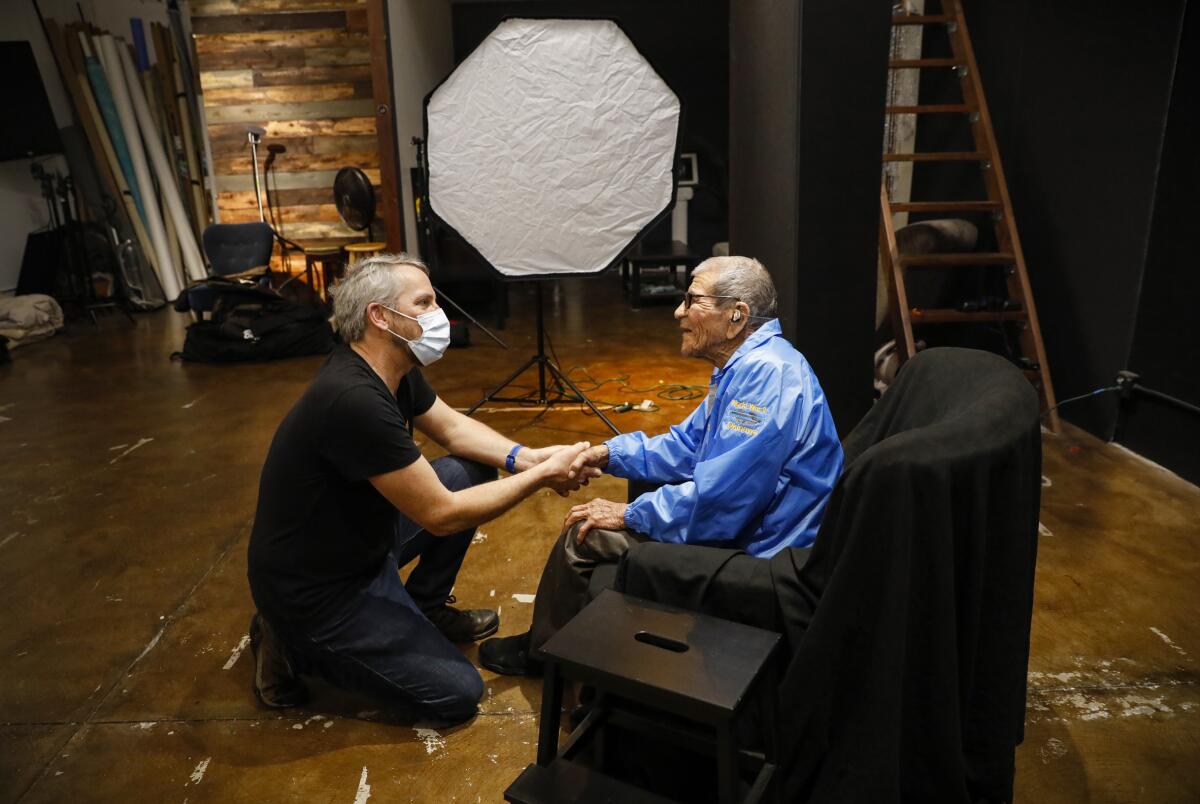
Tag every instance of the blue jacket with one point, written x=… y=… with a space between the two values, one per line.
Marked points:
x=751 y=467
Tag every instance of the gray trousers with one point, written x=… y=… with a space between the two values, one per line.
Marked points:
x=563 y=590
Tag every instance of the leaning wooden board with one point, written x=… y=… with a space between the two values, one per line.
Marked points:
x=173 y=77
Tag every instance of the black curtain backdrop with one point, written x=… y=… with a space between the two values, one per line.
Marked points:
x=1166 y=346
x=1079 y=94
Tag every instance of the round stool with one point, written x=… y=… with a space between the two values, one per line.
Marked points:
x=332 y=264
x=360 y=251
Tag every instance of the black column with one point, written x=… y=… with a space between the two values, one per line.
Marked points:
x=807 y=84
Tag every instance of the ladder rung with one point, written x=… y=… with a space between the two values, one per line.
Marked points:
x=922 y=19
x=919 y=316
x=1032 y=374
x=947 y=206
x=938 y=156
x=957 y=259
x=933 y=108
x=912 y=64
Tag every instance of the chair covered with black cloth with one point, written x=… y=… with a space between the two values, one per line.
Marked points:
x=906 y=627
x=231 y=248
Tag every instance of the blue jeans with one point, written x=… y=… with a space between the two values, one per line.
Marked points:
x=381 y=645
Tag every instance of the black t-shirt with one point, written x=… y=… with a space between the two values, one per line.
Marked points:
x=322 y=530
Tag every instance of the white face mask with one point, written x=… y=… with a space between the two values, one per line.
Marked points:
x=435 y=335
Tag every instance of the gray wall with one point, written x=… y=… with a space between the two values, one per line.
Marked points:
x=422 y=55
x=807 y=83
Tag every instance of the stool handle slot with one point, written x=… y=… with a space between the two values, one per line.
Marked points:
x=658 y=641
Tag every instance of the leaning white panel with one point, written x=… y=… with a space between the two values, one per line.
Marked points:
x=167 y=177
x=552 y=146
x=108 y=53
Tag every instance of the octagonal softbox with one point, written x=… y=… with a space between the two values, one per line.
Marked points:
x=552 y=147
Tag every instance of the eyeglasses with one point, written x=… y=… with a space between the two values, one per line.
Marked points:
x=689 y=298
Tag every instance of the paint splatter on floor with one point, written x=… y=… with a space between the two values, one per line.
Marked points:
x=522 y=598
x=1100 y=690
x=1137 y=705
x=236 y=653
x=364 y=789
x=141 y=442
x=432 y=739
x=1167 y=640
x=198 y=774
x=1053 y=749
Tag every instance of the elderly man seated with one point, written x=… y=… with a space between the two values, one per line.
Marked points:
x=750 y=468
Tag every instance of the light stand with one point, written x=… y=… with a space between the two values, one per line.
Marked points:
x=538 y=193
x=254 y=135
x=543 y=364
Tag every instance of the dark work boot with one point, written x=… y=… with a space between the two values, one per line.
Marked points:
x=510 y=656
x=275 y=683
x=463 y=626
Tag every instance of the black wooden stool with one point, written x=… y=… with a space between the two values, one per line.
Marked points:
x=697 y=671
x=332 y=263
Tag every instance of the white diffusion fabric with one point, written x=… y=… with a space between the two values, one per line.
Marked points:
x=552 y=146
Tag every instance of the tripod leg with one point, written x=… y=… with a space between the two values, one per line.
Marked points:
x=470 y=317
x=558 y=375
x=524 y=367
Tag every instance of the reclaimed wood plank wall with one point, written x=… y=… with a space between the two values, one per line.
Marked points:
x=301 y=70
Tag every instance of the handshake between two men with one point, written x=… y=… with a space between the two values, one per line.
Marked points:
x=346 y=497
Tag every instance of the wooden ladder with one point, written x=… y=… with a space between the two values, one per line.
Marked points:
x=1008 y=255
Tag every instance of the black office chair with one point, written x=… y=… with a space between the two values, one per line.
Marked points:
x=231 y=248
x=906 y=628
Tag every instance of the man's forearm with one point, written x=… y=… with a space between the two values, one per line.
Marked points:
x=479 y=504
x=478 y=442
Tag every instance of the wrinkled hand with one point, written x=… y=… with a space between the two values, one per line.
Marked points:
x=598 y=513
x=560 y=473
x=592 y=462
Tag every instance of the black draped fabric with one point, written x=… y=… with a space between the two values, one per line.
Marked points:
x=907 y=625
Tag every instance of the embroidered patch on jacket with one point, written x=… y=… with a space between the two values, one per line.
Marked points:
x=744 y=417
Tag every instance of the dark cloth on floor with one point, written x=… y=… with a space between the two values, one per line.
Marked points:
x=907 y=627
x=563 y=589
x=379 y=644
x=322 y=530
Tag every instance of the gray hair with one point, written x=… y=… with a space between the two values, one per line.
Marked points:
x=368 y=281
x=744 y=279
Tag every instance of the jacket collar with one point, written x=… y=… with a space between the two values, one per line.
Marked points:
x=757 y=338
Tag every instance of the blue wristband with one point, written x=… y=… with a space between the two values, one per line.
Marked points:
x=510 y=463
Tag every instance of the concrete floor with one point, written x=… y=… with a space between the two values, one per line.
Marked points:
x=129 y=483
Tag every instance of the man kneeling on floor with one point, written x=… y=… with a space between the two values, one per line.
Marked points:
x=751 y=468
x=346 y=499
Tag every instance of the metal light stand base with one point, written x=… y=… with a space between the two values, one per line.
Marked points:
x=543 y=364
